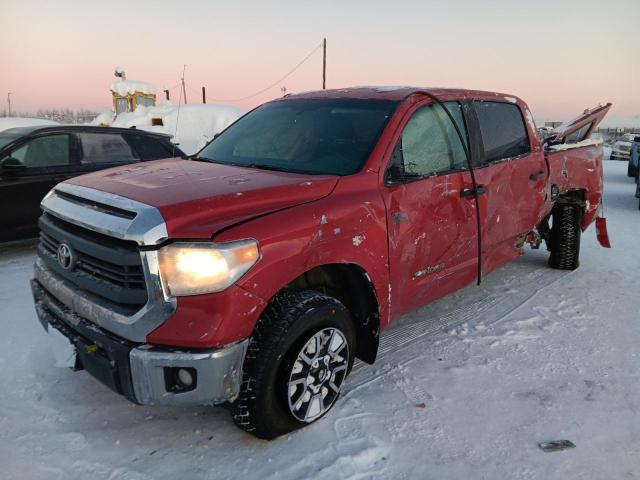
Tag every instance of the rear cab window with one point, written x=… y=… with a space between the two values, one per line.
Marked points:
x=502 y=129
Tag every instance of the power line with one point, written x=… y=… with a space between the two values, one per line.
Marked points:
x=274 y=83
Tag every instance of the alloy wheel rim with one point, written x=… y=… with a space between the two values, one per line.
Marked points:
x=317 y=374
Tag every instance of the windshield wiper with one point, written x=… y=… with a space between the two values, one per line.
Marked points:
x=200 y=159
x=263 y=166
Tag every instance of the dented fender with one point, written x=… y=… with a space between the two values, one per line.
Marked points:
x=349 y=226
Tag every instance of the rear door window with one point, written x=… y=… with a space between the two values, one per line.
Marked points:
x=46 y=151
x=430 y=144
x=105 y=148
x=503 y=130
x=149 y=148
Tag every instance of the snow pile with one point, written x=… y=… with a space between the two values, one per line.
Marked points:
x=14 y=122
x=105 y=118
x=129 y=87
x=196 y=124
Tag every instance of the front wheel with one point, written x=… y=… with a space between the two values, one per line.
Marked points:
x=298 y=358
x=565 y=236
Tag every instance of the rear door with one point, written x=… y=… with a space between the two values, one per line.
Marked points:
x=47 y=159
x=432 y=227
x=513 y=171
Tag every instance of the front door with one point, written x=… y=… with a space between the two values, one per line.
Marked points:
x=47 y=160
x=432 y=225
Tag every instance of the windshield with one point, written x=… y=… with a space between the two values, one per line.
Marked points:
x=326 y=136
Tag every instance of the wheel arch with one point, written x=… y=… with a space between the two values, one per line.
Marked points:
x=351 y=284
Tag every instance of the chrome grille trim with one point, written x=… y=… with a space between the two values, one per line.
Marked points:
x=145 y=225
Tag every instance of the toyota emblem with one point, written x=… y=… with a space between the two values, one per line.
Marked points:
x=66 y=256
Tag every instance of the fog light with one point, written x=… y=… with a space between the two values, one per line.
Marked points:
x=180 y=379
x=184 y=378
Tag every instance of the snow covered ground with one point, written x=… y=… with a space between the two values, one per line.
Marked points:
x=464 y=388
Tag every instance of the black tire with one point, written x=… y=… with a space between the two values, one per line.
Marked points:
x=287 y=324
x=565 y=236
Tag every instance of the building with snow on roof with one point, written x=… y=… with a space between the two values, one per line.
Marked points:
x=129 y=94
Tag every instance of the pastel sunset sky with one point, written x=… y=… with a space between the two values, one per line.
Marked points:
x=560 y=56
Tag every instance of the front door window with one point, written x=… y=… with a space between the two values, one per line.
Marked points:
x=430 y=145
x=49 y=151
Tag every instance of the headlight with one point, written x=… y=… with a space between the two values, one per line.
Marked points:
x=196 y=268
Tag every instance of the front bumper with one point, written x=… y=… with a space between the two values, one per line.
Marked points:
x=143 y=373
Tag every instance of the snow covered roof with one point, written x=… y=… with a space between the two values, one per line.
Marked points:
x=13 y=122
x=129 y=87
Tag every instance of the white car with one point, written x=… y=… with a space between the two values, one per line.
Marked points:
x=621 y=150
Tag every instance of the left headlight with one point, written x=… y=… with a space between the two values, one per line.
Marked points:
x=197 y=268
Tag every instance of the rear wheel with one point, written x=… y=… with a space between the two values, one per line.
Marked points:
x=298 y=358
x=565 y=236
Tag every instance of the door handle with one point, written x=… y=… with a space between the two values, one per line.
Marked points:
x=537 y=175
x=471 y=192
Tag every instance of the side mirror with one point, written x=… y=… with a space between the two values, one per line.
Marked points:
x=395 y=173
x=11 y=164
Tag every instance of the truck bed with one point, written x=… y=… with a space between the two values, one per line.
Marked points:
x=575 y=167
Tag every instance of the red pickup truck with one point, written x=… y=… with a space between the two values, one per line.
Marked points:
x=254 y=273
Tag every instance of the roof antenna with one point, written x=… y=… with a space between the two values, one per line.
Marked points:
x=175 y=133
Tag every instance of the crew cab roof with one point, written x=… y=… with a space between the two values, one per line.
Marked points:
x=392 y=93
x=22 y=131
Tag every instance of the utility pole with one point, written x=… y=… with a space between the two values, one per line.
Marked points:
x=204 y=96
x=324 y=63
x=184 y=88
x=9 y=101
x=166 y=94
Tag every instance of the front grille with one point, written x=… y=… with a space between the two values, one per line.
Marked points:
x=126 y=276
x=105 y=266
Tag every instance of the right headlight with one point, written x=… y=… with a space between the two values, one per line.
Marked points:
x=205 y=267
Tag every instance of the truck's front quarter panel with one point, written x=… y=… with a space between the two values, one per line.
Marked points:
x=347 y=227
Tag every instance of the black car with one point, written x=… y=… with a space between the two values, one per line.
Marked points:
x=34 y=159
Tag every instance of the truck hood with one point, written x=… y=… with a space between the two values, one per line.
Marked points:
x=198 y=199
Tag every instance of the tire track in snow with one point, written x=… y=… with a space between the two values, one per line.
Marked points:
x=501 y=293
